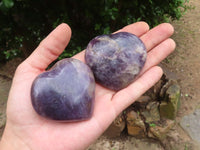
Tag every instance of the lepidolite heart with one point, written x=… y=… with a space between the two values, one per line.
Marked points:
x=65 y=92
x=116 y=59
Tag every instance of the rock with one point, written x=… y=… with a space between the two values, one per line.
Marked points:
x=115 y=59
x=143 y=99
x=128 y=143
x=66 y=92
x=142 y=102
x=171 y=103
x=160 y=130
x=151 y=114
x=142 y=144
x=2 y=120
x=135 y=125
x=169 y=78
x=176 y=141
x=190 y=123
x=117 y=126
x=154 y=92
x=157 y=87
x=166 y=86
x=168 y=74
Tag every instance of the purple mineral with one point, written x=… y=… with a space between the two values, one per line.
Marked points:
x=115 y=59
x=65 y=92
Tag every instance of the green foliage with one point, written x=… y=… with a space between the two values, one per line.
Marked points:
x=24 y=23
x=152 y=125
x=9 y=54
x=6 y=4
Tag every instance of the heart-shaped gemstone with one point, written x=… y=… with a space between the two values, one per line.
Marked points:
x=116 y=59
x=65 y=92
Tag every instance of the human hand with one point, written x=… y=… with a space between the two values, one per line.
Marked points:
x=25 y=129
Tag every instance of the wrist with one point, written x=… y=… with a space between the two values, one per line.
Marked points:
x=10 y=141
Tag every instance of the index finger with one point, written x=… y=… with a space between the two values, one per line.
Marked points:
x=50 y=48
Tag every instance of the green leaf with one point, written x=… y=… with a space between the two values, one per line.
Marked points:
x=97 y=27
x=106 y=30
x=114 y=9
x=152 y=125
x=8 y=3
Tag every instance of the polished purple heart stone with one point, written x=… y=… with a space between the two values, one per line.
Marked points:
x=65 y=92
x=116 y=59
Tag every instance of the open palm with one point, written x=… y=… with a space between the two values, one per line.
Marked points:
x=28 y=129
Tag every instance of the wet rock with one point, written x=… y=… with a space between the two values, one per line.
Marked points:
x=151 y=114
x=171 y=103
x=160 y=130
x=135 y=125
x=117 y=126
x=190 y=123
